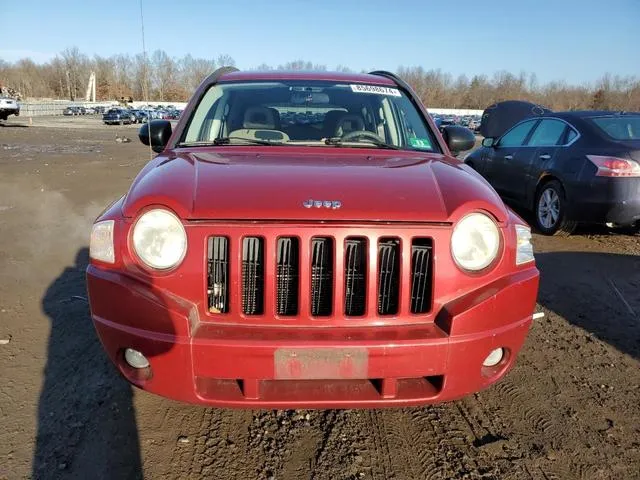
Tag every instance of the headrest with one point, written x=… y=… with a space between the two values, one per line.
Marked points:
x=259 y=117
x=348 y=124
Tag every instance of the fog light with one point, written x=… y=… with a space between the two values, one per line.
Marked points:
x=494 y=358
x=135 y=358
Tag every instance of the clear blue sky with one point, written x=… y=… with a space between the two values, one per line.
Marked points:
x=575 y=40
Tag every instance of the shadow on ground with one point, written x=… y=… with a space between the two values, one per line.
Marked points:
x=598 y=292
x=86 y=421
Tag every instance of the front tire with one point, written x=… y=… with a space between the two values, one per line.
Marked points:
x=550 y=210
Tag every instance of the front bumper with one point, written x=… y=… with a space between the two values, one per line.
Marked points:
x=207 y=363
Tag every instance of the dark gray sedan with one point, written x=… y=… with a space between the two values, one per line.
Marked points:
x=566 y=167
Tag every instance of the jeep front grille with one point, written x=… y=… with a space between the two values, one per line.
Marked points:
x=218 y=274
x=287 y=276
x=325 y=276
x=420 y=275
x=388 y=276
x=321 y=277
x=355 y=276
x=252 y=275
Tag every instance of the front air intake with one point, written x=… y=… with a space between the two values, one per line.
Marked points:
x=252 y=275
x=321 y=276
x=355 y=277
x=421 y=273
x=218 y=274
x=388 y=276
x=287 y=276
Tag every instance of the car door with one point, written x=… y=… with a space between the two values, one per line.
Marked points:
x=505 y=153
x=544 y=144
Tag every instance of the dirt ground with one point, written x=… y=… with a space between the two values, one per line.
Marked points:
x=569 y=409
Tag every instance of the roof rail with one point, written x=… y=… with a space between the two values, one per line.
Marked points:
x=213 y=78
x=395 y=78
x=384 y=73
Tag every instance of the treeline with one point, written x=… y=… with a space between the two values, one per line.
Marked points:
x=161 y=77
x=438 y=89
x=156 y=76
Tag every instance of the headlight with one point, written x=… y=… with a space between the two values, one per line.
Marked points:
x=159 y=239
x=101 y=243
x=524 y=249
x=475 y=242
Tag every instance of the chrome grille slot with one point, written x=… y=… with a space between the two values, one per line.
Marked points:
x=252 y=275
x=218 y=274
x=355 y=278
x=421 y=275
x=388 y=276
x=287 y=276
x=321 y=276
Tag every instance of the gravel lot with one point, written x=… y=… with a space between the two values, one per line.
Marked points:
x=569 y=409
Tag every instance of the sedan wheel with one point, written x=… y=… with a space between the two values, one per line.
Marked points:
x=550 y=210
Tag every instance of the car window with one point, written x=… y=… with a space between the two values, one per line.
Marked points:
x=571 y=135
x=620 y=128
x=547 y=133
x=517 y=135
x=310 y=112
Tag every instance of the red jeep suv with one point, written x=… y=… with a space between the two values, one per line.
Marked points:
x=308 y=240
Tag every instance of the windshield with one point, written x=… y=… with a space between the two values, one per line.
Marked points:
x=625 y=127
x=314 y=113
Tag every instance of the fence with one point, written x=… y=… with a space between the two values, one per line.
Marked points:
x=39 y=109
x=56 y=107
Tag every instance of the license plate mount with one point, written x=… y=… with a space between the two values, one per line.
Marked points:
x=341 y=363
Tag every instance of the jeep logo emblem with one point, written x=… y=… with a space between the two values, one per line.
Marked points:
x=332 y=204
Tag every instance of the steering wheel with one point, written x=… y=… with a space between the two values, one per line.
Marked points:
x=362 y=133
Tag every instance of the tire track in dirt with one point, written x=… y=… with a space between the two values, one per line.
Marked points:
x=339 y=456
x=201 y=443
x=426 y=443
x=454 y=455
x=283 y=443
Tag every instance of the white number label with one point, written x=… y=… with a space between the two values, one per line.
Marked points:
x=359 y=88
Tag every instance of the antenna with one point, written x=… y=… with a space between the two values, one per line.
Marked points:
x=145 y=89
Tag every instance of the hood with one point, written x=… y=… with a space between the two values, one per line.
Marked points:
x=241 y=185
x=501 y=116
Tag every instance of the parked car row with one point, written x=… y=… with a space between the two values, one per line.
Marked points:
x=472 y=122
x=140 y=115
x=124 y=115
x=567 y=168
x=162 y=113
x=73 y=110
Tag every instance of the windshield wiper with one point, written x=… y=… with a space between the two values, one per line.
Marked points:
x=337 y=141
x=228 y=141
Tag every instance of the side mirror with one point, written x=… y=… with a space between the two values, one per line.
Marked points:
x=488 y=142
x=156 y=132
x=458 y=138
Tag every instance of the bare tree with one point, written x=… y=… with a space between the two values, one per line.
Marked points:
x=168 y=79
x=195 y=70
x=75 y=70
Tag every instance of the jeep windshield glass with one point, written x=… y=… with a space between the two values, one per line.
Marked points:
x=322 y=114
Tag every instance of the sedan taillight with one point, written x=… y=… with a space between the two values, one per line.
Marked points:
x=614 y=166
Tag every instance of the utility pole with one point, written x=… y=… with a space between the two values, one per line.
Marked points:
x=91 y=88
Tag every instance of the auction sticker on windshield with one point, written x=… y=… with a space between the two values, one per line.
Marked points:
x=358 y=88
x=420 y=143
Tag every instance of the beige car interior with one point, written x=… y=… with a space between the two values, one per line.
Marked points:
x=263 y=123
